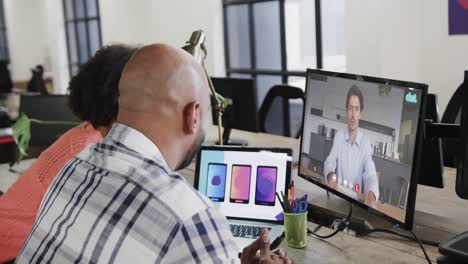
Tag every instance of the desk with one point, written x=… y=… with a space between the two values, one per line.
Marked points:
x=435 y=218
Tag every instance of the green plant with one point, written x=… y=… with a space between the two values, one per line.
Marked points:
x=22 y=132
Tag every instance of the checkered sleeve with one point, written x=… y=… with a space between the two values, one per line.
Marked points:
x=203 y=238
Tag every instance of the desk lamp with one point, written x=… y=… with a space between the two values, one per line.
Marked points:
x=196 y=46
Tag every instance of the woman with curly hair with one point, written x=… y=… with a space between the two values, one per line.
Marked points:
x=94 y=99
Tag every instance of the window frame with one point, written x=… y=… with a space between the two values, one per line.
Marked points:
x=74 y=21
x=253 y=70
x=3 y=32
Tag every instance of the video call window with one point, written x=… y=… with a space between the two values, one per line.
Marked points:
x=359 y=139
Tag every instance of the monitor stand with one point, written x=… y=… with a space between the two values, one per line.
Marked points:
x=325 y=217
x=425 y=226
x=231 y=142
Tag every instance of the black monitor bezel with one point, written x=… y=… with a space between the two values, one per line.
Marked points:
x=411 y=200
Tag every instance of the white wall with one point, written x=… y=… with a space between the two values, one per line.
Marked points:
x=383 y=38
x=406 y=40
x=175 y=20
x=124 y=21
x=25 y=33
x=171 y=22
x=36 y=36
x=56 y=44
x=362 y=27
x=445 y=57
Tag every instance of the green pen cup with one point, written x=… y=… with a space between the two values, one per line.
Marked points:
x=295 y=229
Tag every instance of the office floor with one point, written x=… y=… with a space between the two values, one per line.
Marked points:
x=8 y=177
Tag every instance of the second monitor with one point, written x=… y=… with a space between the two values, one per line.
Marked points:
x=432 y=173
x=242 y=112
x=362 y=140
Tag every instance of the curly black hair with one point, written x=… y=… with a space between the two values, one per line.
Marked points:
x=94 y=91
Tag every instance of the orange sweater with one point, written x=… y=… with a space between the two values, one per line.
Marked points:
x=19 y=205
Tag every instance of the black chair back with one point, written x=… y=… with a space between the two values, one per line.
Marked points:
x=281 y=111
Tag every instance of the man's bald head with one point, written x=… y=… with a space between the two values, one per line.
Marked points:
x=164 y=94
x=160 y=74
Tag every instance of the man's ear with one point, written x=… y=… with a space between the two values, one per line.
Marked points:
x=191 y=118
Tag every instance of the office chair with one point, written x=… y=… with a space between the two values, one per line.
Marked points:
x=281 y=111
x=8 y=149
x=452 y=115
x=48 y=108
x=6 y=84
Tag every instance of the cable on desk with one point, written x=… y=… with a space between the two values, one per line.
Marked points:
x=425 y=242
x=389 y=231
x=343 y=223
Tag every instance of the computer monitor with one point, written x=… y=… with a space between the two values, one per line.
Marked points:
x=242 y=112
x=374 y=127
x=48 y=108
x=433 y=169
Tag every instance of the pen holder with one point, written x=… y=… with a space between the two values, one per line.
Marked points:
x=295 y=229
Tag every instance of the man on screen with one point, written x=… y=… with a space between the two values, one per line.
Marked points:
x=349 y=164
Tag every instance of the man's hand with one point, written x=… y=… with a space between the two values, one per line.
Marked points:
x=332 y=180
x=249 y=254
x=370 y=200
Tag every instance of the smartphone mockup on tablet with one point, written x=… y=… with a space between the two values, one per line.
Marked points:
x=216 y=183
x=266 y=185
x=240 y=183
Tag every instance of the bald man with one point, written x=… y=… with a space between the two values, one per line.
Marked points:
x=120 y=200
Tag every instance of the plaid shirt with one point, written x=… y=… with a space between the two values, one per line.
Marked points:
x=118 y=202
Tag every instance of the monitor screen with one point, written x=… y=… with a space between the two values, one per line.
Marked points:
x=242 y=182
x=360 y=140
